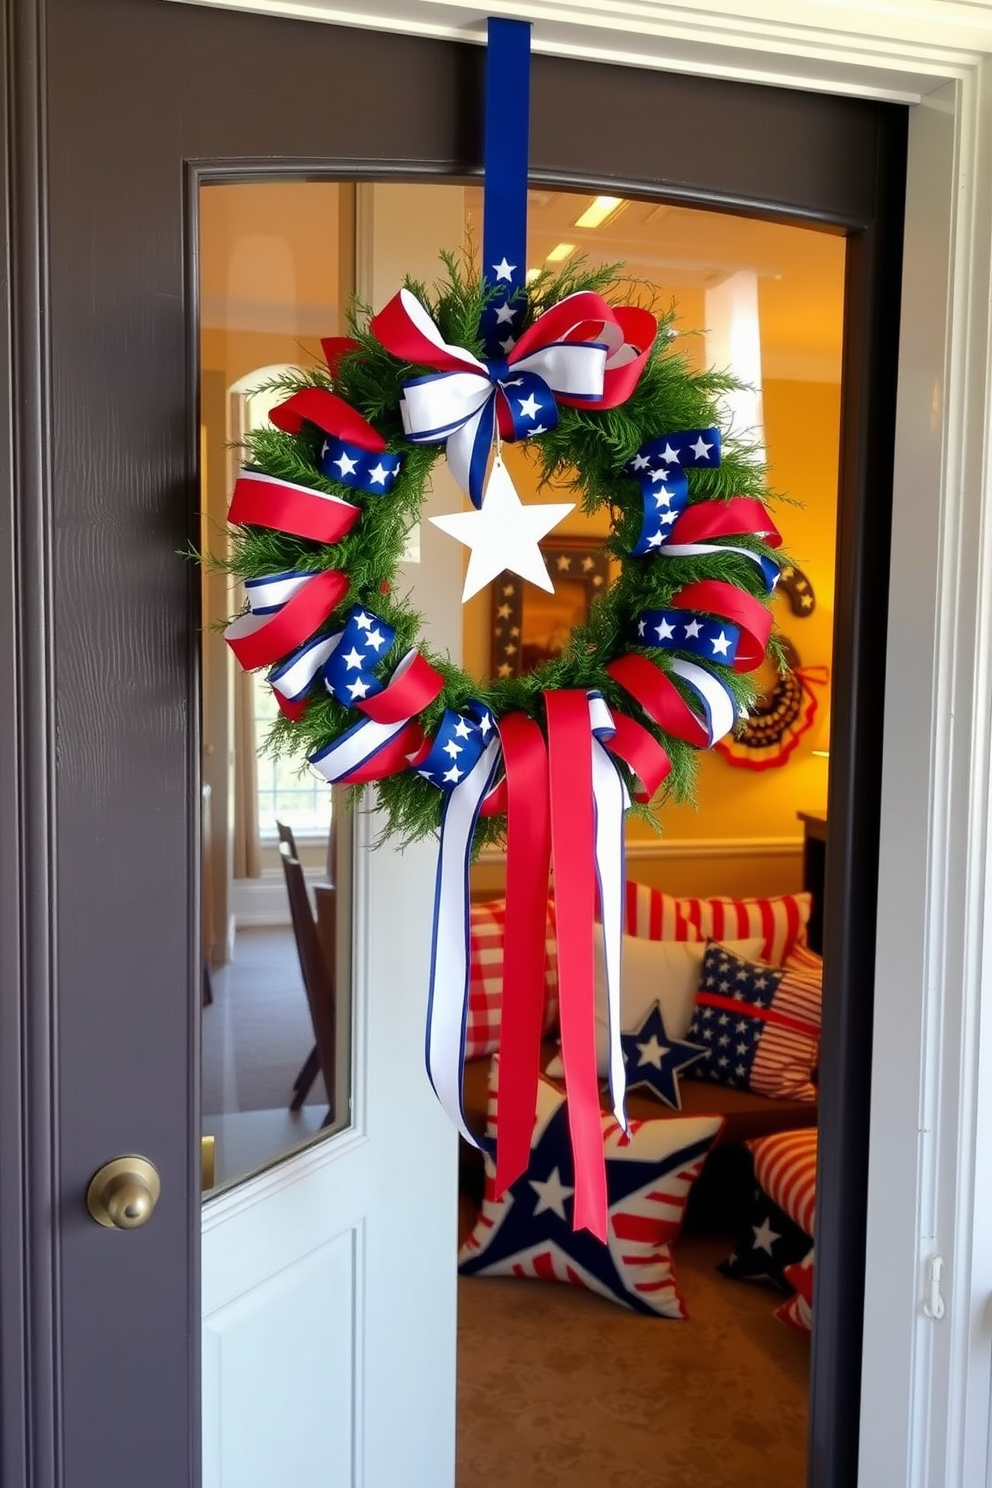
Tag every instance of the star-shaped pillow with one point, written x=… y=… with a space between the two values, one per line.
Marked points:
x=654 y=1060
x=767 y=1244
x=528 y=1232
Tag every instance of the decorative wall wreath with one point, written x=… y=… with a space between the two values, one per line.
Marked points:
x=779 y=716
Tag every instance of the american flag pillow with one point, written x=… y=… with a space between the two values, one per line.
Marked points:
x=528 y=1232
x=487 y=937
x=780 y=921
x=760 y=1026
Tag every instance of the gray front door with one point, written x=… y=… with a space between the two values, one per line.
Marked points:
x=116 y=108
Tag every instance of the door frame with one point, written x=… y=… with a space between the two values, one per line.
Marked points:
x=926 y=1383
x=957 y=865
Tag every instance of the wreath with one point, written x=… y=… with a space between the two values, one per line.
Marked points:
x=322 y=511
x=603 y=398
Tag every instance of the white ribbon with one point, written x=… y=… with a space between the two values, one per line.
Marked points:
x=449 y=987
x=610 y=803
x=719 y=704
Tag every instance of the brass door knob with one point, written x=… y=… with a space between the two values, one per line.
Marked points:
x=123 y=1194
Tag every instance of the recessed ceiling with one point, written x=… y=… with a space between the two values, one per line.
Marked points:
x=684 y=251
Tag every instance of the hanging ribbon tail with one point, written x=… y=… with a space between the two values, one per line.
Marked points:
x=573 y=842
x=610 y=802
x=527 y=868
x=447 y=1010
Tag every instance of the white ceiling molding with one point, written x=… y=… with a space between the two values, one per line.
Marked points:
x=885 y=49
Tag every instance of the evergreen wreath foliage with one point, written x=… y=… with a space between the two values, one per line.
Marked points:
x=586 y=452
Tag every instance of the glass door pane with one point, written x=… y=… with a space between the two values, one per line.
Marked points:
x=276 y=268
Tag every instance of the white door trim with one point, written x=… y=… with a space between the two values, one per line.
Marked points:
x=925 y=1407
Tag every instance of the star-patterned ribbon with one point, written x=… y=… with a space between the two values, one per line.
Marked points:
x=674 y=529
x=349 y=674
x=675 y=630
x=580 y=352
x=659 y=469
x=457 y=745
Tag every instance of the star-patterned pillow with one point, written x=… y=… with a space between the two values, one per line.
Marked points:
x=767 y=1244
x=528 y=1232
x=760 y=1026
x=654 y=1061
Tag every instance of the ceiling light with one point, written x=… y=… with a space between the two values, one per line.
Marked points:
x=560 y=251
x=599 y=210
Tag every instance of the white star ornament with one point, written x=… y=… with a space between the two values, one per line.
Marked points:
x=503 y=534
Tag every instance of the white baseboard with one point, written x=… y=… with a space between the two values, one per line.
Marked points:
x=258 y=902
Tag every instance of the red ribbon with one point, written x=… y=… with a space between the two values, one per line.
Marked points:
x=294 y=623
x=409 y=690
x=659 y=697
x=573 y=852
x=263 y=501
x=527 y=869
x=329 y=412
x=641 y=751
x=708 y=519
x=715 y=597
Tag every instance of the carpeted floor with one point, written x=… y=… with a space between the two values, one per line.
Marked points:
x=557 y=1387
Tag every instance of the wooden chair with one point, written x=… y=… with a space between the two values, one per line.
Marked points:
x=318 y=979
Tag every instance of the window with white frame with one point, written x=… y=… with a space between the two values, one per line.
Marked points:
x=288 y=792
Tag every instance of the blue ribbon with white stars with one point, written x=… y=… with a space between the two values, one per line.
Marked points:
x=457 y=745
x=507 y=130
x=349 y=674
x=351 y=465
x=684 y=630
x=659 y=469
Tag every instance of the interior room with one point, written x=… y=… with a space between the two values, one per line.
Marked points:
x=547 y=1372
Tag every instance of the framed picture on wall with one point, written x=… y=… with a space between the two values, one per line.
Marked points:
x=530 y=626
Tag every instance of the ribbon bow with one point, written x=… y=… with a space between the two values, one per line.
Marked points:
x=580 y=352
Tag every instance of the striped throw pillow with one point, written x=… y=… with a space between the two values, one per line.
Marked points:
x=487 y=937
x=780 y=921
x=785 y=1169
x=760 y=1026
